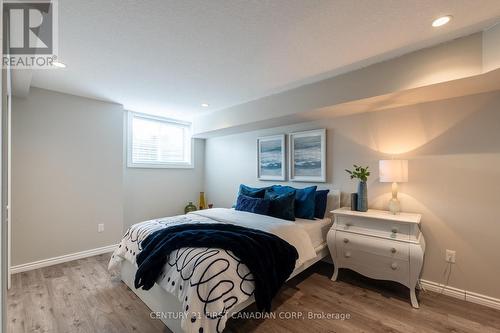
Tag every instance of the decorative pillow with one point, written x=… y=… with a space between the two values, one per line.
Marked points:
x=252 y=205
x=320 y=203
x=281 y=206
x=304 y=199
x=252 y=192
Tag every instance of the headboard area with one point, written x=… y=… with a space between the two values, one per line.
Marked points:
x=333 y=201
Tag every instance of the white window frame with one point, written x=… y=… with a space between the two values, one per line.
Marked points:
x=173 y=165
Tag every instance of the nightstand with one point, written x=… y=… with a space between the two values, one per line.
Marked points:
x=379 y=245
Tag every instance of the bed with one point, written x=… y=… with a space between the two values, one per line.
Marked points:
x=184 y=298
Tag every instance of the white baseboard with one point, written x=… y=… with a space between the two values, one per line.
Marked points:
x=461 y=294
x=59 y=260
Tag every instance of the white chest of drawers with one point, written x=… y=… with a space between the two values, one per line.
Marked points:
x=379 y=245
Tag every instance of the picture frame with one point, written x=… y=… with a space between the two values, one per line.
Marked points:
x=271 y=157
x=307 y=156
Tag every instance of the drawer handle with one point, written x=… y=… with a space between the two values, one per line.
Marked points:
x=393 y=250
x=394 y=230
x=347 y=225
x=346 y=240
x=394 y=266
x=347 y=254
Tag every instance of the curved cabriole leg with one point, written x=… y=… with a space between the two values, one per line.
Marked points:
x=416 y=262
x=335 y=273
x=413 y=297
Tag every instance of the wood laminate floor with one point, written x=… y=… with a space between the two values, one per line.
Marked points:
x=80 y=296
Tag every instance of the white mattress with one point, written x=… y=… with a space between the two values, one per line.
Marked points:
x=316 y=229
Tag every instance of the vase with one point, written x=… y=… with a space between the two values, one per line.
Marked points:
x=203 y=202
x=362 y=197
x=189 y=208
x=354 y=201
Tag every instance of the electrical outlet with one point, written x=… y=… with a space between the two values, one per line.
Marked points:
x=100 y=227
x=451 y=256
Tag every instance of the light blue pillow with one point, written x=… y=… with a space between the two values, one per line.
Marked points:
x=304 y=199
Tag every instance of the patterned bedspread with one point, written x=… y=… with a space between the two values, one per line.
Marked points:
x=209 y=282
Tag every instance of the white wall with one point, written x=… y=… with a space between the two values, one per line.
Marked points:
x=66 y=168
x=453 y=147
x=491 y=48
x=69 y=175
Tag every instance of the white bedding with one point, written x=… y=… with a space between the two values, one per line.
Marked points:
x=286 y=230
x=316 y=229
x=209 y=282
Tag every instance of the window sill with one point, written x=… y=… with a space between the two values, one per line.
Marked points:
x=160 y=166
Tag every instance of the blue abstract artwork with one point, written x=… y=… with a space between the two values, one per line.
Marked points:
x=307 y=156
x=271 y=158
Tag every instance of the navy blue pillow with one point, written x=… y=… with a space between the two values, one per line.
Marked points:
x=252 y=192
x=320 y=199
x=304 y=199
x=281 y=206
x=252 y=205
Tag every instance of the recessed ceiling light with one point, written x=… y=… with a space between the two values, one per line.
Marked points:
x=205 y=105
x=58 y=64
x=441 y=21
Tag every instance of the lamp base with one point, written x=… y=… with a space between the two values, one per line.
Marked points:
x=394 y=206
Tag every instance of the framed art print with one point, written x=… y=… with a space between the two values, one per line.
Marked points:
x=307 y=156
x=271 y=160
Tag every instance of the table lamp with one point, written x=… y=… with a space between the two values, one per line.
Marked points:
x=393 y=171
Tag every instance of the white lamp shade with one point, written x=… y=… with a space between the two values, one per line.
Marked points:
x=393 y=171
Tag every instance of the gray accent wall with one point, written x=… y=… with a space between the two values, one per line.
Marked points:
x=66 y=175
x=69 y=175
x=453 y=148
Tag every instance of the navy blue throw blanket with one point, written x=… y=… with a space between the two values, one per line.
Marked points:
x=269 y=258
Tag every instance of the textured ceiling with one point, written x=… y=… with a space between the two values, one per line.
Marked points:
x=168 y=57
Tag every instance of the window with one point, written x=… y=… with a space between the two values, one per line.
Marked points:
x=155 y=142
